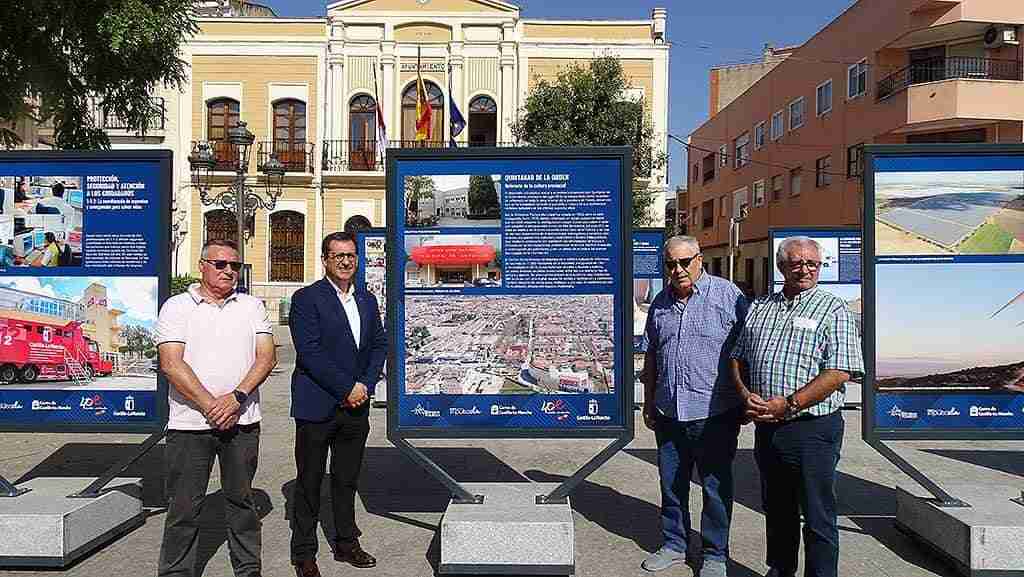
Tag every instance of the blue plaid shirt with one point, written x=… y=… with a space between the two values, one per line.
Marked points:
x=691 y=344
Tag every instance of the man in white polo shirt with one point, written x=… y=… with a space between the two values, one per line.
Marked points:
x=216 y=348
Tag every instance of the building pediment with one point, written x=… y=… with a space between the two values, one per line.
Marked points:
x=489 y=7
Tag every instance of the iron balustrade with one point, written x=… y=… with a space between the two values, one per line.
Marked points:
x=295 y=155
x=366 y=155
x=949 y=68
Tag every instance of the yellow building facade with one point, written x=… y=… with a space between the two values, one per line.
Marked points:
x=309 y=90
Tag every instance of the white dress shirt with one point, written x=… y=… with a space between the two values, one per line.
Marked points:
x=348 y=303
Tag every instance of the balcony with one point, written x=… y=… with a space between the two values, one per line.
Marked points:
x=295 y=155
x=365 y=156
x=951 y=68
x=107 y=120
x=352 y=155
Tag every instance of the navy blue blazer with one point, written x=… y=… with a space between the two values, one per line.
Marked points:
x=328 y=363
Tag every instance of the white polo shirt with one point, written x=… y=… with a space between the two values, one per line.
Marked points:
x=220 y=347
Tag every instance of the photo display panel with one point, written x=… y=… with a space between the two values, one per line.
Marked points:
x=372 y=277
x=510 y=292
x=945 y=277
x=648 y=281
x=84 y=266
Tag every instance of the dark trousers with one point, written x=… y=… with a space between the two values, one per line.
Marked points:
x=345 y=435
x=188 y=460
x=798 y=462
x=710 y=446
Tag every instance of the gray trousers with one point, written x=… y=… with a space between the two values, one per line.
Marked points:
x=188 y=459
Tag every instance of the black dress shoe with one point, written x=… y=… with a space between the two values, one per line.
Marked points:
x=355 y=556
x=307 y=568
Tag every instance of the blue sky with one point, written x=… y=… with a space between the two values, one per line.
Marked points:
x=136 y=296
x=703 y=34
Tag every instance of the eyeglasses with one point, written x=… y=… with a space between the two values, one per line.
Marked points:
x=341 y=256
x=220 y=264
x=681 y=263
x=811 y=265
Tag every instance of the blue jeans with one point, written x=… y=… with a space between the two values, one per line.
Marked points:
x=710 y=445
x=798 y=462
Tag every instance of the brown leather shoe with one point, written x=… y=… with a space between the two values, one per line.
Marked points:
x=307 y=568
x=354 y=555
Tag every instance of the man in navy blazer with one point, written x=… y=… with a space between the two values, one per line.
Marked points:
x=331 y=387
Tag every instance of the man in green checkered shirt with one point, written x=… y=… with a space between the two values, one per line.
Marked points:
x=797 y=349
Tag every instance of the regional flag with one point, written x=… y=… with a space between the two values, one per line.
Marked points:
x=424 y=125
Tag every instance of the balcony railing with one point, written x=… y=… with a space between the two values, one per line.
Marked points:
x=951 y=68
x=295 y=155
x=110 y=121
x=357 y=155
x=365 y=155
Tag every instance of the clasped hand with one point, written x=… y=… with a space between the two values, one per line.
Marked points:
x=357 y=396
x=759 y=410
x=223 y=413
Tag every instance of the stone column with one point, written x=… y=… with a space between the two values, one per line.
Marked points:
x=508 y=82
x=392 y=104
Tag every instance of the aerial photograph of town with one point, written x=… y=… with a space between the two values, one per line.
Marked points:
x=949 y=212
x=546 y=344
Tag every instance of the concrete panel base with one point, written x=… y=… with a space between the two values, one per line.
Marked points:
x=509 y=533
x=44 y=528
x=983 y=540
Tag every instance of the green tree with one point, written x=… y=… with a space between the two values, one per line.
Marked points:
x=483 y=196
x=417 y=188
x=62 y=56
x=138 y=339
x=180 y=283
x=587 y=107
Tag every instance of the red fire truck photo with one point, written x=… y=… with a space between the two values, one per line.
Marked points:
x=32 y=350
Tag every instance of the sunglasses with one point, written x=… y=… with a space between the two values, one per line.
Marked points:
x=221 y=264
x=681 y=263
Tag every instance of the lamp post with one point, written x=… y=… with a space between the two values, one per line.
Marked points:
x=237 y=195
x=734 y=238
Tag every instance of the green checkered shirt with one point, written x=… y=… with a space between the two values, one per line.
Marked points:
x=785 y=344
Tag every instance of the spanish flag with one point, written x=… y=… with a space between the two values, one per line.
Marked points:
x=424 y=125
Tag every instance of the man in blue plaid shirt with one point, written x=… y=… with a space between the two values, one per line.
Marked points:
x=691 y=404
x=797 y=349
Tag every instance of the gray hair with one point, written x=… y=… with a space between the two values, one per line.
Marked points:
x=687 y=241
x=223 y=242
x=783 y=252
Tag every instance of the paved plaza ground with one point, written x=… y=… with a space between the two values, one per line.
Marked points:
x=616 y=509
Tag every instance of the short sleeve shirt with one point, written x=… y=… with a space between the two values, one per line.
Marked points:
x=785 y=344
x=220 y=347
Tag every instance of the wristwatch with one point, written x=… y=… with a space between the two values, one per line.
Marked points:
x=240 y=396
x=792 y=407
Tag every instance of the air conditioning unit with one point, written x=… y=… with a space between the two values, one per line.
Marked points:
x=997 y=36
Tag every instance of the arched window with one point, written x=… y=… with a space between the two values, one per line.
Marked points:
x=483 y=121
x=221 y=115
x=287 y=246
x=362 y=133
x=436 y=100
x=357 y=222
x=290 y=134
x=221 y=225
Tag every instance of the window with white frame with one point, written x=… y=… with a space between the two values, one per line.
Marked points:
x=823 y=98
x=777 y=124
x=739 y=202
x=857 y=79
x=759 y=193
x=797 y=111
x=759 y=135
x=742 y=148
x=795 y=177
x=723 y=155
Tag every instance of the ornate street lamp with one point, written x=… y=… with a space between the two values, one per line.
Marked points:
x=237 y=196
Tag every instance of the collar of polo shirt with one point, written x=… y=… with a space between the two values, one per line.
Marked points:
x=197 y=296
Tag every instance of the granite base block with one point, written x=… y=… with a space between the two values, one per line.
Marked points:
x=45 y=528
x=509 y=533
x=983 y=540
